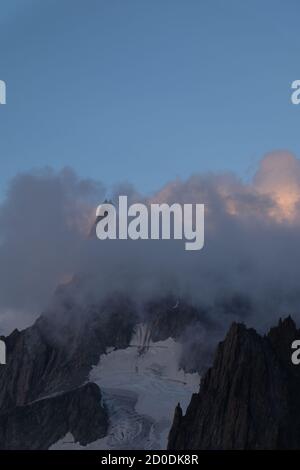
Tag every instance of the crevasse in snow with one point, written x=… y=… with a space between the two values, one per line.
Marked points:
x=141 y=387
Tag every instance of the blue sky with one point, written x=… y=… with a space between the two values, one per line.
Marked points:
x=147 y=90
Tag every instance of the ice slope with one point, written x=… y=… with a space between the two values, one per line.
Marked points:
x=141 y=387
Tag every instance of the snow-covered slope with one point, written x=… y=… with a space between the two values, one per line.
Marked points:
x=141 y=386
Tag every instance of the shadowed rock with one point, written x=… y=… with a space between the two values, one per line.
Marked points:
x=248 y=399
x=40 y=424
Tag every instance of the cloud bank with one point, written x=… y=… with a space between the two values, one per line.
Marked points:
x=249 y=266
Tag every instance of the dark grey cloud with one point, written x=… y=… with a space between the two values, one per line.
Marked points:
x=248 y=269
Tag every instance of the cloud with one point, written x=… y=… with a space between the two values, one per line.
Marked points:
x=278 y=177
x=249 y=266
x=42 y=222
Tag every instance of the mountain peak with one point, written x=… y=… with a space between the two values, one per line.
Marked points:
x=248 y=399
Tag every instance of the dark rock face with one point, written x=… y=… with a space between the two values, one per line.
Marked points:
x=42 y=423
x=55 y=356
x=248 y=399
x=170 y=317
x=190 y=325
